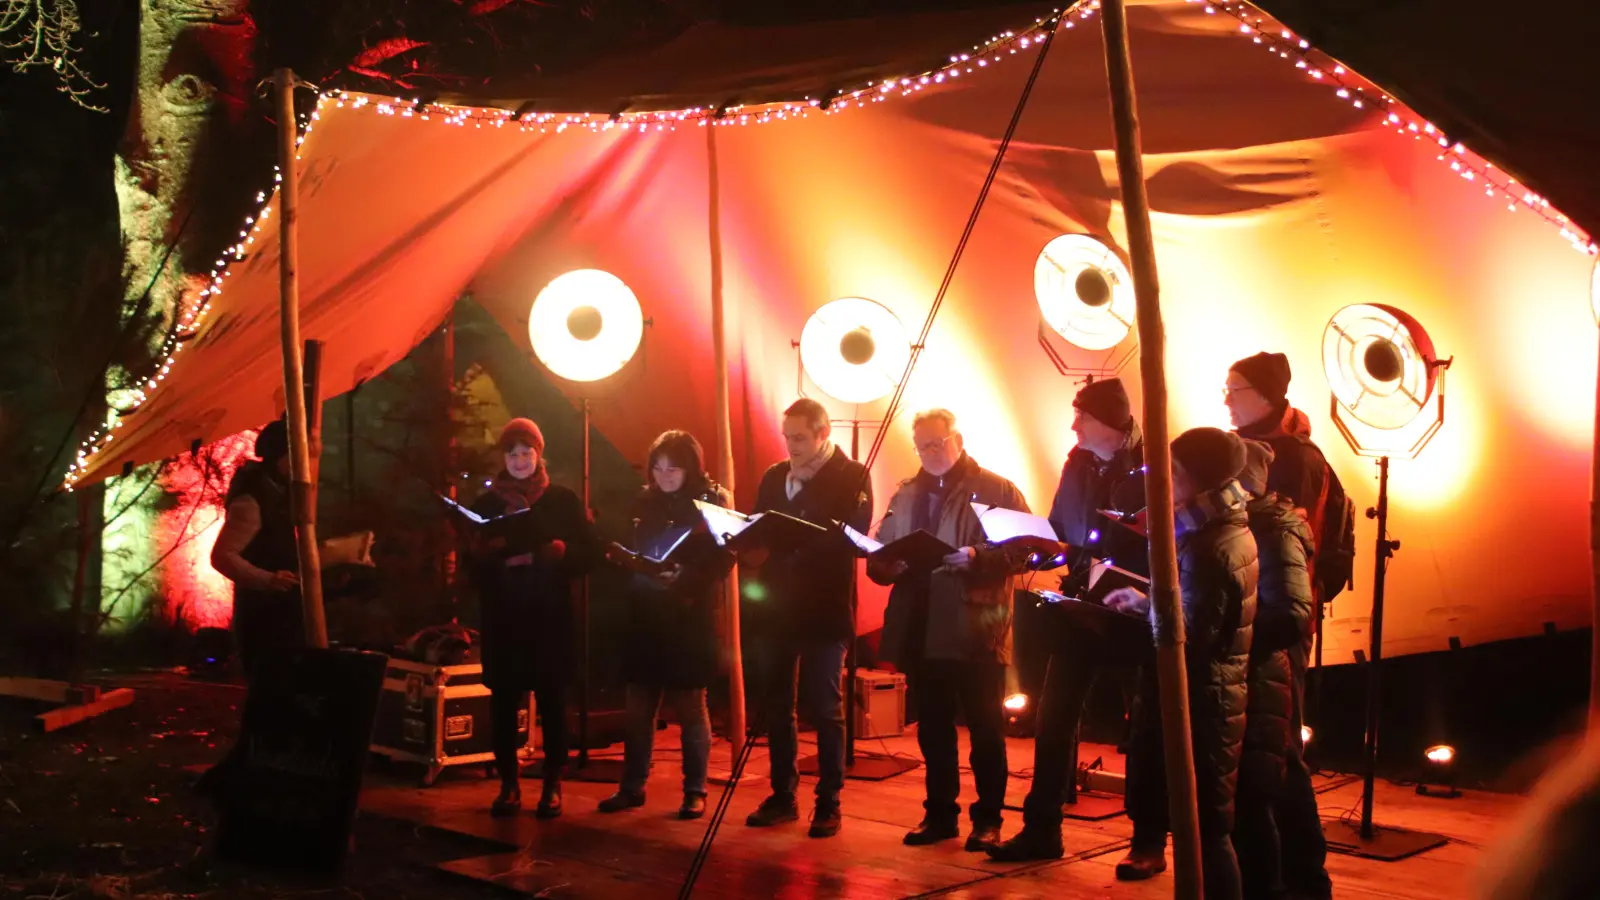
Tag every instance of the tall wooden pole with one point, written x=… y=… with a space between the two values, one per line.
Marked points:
x=1594 y=561
x=1158 y=460
x=719 y=355
x=303 y=489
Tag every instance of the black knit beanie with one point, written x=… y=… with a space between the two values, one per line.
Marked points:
x=1211 y=456
x=1267 y=373
x=272 y=441
x=1107 y=401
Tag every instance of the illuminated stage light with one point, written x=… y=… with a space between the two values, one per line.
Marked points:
x=1439 y=779
x=1388 y=402
x=1305 y=735
x=585 y=325
x=855 y=350
x=1594 y=291
x=1017 y=702
x=1084 y=291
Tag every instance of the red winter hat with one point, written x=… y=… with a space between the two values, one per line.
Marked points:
x=522 y=431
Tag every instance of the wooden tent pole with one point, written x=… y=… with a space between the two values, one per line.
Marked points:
x=303 y=488
x=719 y=354
x=1158 y=460
x=1594 y=561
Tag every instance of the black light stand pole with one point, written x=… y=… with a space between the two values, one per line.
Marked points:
x=1385 y=550
x=583 y=615
x=850 y=660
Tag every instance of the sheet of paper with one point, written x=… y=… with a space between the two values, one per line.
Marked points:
x=1001 y=525
x=472 y=516
x=867 y=544
x=724 y=523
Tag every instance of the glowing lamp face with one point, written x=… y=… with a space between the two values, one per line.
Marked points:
x=1441 y=754
x=1305 y=735
x=1379 y=364
x=1084 y=291
x=854 y=349
x=1594 y=291
x=1017 y=702
x=585 y=325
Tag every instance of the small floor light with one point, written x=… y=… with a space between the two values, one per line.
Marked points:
x=1305 y=735
x=1016 y=703
x=1019 y=715
x=1440 y=778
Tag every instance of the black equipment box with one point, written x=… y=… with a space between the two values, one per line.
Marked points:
x=439 y=716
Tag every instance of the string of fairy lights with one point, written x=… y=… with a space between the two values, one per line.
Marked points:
x=1351 y=88
x=1281 y=42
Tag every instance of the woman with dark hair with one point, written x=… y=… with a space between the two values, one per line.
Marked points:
x=671 y=644
x=526 y=611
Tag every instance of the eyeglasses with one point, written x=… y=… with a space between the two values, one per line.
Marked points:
x=1228 y=392
x=933 y=446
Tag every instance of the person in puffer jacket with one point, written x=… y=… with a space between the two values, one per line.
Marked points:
x=1283 y=620
x=1217 y=572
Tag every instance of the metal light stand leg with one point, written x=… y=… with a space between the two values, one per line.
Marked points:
x=597 y=770
x=1367 y=839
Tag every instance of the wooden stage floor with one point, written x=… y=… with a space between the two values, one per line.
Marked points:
x=645 y=853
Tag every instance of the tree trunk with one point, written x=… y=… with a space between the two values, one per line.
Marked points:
x=184 y=159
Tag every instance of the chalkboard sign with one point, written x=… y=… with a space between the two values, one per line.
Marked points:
x=289 y=789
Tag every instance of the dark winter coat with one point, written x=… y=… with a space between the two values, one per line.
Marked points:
x=1298 y=471
x=806 y=595
x=671 y=631
x=1089 y=484
x=1218 y=571
x=1283 y=621
x=947 y=614
x=526 y=612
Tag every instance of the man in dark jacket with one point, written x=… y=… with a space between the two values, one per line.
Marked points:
x=1217 y=571
x=1283 y=621
x=257 y=551
x=1104 y=471
x=949 y=629
x=798 y=606
x=1257 y=401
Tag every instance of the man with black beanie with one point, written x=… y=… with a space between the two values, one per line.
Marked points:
x=1257 y=400
x=1104 y=471
x=1217 y=571
x=256 y=550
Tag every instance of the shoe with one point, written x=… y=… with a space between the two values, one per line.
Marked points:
x=694 y=806
x=621 y=800
x=775 y=810
x=825 y=820
x=983 y=838
x=1029 y=844
x=509 y=802
x=549 y=801
x=1139 y=865
x=931 y=831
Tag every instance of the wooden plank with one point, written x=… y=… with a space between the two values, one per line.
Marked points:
x=35 y=689
x=71 y=715
x=554 y=877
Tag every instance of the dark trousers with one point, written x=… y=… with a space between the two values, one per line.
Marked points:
x=811 y=674
x=265 y=623
x=1255 y=829
x=1216 y=773
x=1070 y=676
x=551 y=703
x=1304 y=848
x=977 y=690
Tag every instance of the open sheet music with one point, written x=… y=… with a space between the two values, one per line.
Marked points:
x=1019 y=530
x=522 y=530
x=686 y=546
x=772 y=531
x=919 y=550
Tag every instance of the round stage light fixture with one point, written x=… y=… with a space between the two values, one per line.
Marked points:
x=1594 y=291
x=1380 y=364
x=1017 y=702
x=585 y=325
x=1084 y=291
x=855 y=349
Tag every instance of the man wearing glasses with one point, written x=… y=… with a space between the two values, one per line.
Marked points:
x=949 y=629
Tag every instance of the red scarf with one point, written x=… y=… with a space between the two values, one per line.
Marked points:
x=521 y=493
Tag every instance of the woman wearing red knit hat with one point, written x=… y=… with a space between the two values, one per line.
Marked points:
x=526 y=611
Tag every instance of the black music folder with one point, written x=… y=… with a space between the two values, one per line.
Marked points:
x=691 y=547
x=770 y=530
x=522 y=530
x=919 y=550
